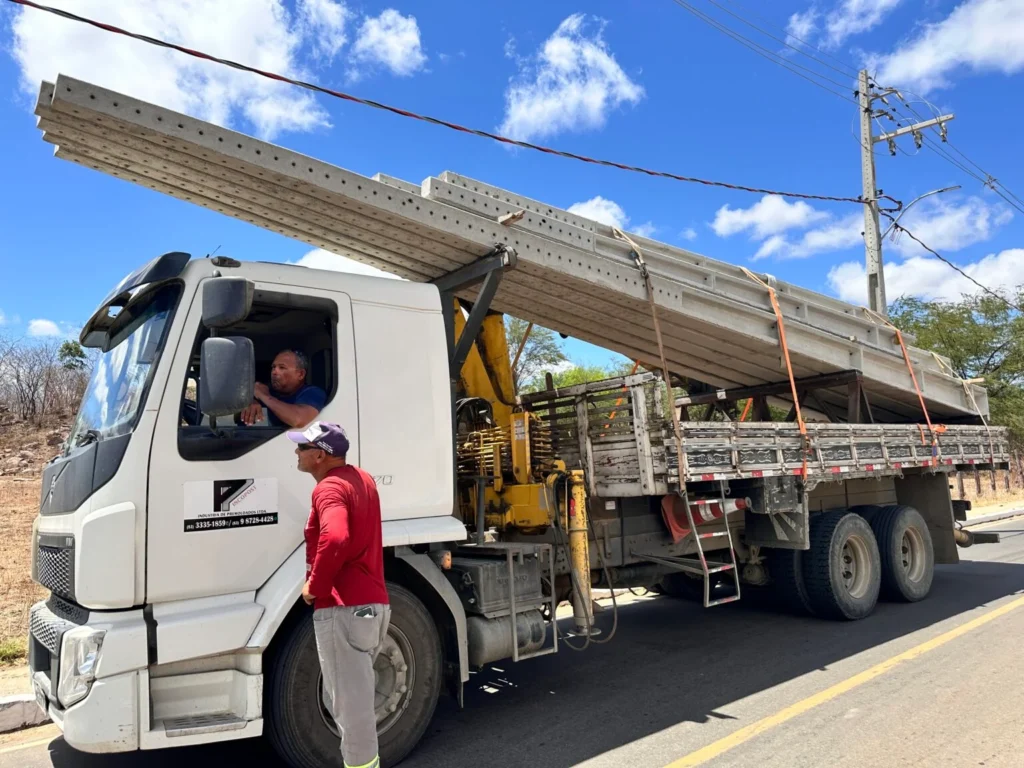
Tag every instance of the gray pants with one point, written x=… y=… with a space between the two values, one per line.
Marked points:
x=348 y=644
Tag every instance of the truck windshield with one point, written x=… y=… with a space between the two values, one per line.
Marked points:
x=120 y=378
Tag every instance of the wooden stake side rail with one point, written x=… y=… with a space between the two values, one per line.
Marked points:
x=625 y=442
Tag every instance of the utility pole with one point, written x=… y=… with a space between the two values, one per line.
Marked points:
x=870 y=192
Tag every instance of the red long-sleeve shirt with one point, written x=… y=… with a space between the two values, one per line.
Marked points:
x=344 y=551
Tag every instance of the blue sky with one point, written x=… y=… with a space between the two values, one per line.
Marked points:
x=646 y=83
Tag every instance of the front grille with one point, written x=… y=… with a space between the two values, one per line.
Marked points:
x=76 y=614
x=47 y=622
x=55 y=569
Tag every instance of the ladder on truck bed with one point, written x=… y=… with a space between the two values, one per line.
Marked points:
x=700 y=565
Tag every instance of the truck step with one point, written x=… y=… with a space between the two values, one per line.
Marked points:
x=719 y=601
x=196 y=724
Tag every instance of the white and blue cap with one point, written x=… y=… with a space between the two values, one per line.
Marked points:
x=325 y=435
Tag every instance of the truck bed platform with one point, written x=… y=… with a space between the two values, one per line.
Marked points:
x=620 y=431
x=572 y=275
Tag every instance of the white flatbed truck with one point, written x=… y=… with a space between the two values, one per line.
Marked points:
x=170 y=537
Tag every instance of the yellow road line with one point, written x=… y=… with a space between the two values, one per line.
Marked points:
x=26 y=745
x=748 y=732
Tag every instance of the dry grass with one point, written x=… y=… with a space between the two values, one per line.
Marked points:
x=19 y=503
x=986 y=499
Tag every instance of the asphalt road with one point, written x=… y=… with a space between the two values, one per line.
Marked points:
x=937 y=683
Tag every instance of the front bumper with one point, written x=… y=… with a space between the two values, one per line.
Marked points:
x=107 y=719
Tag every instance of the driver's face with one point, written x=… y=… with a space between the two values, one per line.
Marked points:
x=285 y=375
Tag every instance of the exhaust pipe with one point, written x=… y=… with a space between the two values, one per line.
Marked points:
x=966 y=539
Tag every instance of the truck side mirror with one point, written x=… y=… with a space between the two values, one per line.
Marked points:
x=227 y=371
x=226 y=301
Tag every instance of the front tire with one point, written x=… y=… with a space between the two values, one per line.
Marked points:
x=296 y=721
x=842 y=569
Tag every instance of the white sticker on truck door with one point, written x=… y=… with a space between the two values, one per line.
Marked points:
x=212 y=505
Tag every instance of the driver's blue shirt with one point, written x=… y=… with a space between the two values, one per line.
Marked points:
x=308 y=395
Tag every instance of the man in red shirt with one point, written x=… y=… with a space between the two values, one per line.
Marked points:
x=345 y=585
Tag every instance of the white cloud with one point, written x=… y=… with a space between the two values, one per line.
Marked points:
x=43 y=328
x=601 y=210
x=392 y=40
x=688 y=234
x=834 y=236
x=260 y=33
x=852 y=17
x=324 y=23
x=572 y=83
x=979 y=35
x=321 y=259
x=948 y=226
x=928 y=278
x=605 y=211
x=768 y=216
x=802 y=26
x=3 y=318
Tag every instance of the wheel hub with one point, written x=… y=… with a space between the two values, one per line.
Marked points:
x=855 y=566
x=912 y=554
x=393 y=678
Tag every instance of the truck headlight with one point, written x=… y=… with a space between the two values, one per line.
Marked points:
x=79 y=655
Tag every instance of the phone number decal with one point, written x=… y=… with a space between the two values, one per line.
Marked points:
x=220 y=523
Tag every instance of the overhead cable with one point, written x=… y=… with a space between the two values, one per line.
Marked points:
x=426 y=118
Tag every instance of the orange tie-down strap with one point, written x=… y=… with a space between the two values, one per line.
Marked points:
x=913 y=377
x=789 y=365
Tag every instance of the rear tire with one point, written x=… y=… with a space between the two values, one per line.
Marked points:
x=907 y=556
x=842 y=569
x=785 y=566
x=295 y=724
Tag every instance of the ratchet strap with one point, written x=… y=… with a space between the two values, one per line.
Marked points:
x=913 y=378
x=638 y=257
x=969 y=393
x=789 y=365
x=746 y=409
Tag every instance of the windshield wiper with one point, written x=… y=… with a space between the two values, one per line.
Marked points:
x=87 y=437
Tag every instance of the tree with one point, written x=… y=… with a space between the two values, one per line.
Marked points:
x=542 y=352
x=580 y=374
x=71 y=356
x=983 y=338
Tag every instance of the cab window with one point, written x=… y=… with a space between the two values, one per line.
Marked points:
x=304 y=329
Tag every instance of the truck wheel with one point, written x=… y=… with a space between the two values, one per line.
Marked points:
x=905 y=546
x=785 y=566
x=842 y=569
x=408 y=674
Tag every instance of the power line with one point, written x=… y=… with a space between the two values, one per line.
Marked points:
x=851 y=70
x=947 y=262
x=425 y=118
x=764 y=52
x=987 y=180
x=845 y=73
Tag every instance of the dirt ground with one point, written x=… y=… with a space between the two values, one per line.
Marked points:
x=19 y=502
x=24 y=449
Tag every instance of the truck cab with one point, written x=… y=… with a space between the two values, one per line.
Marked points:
x=172 y=539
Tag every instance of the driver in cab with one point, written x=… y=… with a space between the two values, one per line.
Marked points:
x=289 y=400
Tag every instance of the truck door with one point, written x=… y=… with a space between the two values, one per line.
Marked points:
x=226 y=503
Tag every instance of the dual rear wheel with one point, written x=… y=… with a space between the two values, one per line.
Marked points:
x=856 y=556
